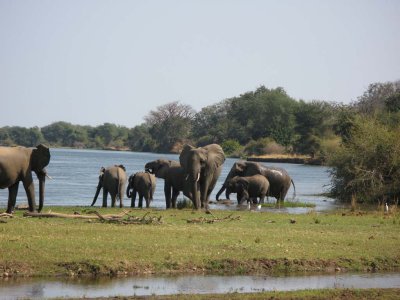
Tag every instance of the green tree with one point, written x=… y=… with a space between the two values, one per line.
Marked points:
x=169 y=124
x=314 y=121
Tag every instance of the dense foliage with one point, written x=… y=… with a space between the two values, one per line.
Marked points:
x=366 y=165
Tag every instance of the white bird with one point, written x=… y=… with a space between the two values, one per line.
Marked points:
x=258 y=206
x=386 y=208
x=248 y=206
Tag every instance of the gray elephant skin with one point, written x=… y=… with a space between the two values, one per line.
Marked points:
x=248 y=188
x=174 y=179
x=112 y=180
x=279 y=180
x=17 y=164
x=202 y=167
x=144 y=184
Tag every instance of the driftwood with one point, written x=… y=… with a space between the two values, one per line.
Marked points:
x=202 y=220
x=123 y=218
x=6 y=215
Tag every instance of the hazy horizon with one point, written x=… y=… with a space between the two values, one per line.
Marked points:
x=97 y=61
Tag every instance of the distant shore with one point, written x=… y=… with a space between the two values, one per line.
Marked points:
x=291 y=159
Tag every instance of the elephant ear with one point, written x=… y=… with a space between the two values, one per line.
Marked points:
x=215 y=155
x=40 y=157
x=184 y=156
x=162 y=168
x=244 y=183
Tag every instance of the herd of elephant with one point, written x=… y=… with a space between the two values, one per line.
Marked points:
x=195 y=174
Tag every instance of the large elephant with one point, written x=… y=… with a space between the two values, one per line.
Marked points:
x=279 y=179
x=17 y=164
x=144 y=184
x=112 y=179
x=202 y=167
x=174 y=179
x=248 y=188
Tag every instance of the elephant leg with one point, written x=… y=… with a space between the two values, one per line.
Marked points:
x=147 y=198
x=30 y=193
x=105 y=194
x=113 y=200
x=262 y=197
x=140 y=200
x=12 y=197
x=167 y=193
x=175 y=194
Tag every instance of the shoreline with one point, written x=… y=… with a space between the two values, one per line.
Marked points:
x=288 y=159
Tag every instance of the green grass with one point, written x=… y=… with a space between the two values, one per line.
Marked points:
x=257 y=243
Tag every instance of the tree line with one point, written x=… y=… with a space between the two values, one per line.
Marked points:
x=360 y=140
x=256 y=122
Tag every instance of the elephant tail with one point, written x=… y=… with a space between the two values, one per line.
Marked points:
x=294 y=189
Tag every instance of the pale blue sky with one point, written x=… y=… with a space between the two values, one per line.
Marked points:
x=90 y=62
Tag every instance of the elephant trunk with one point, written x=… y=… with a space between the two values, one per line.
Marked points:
x=96 y=195
x=129 y=191
x=42 y=180
x=220 y=191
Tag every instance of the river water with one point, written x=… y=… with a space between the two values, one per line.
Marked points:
x=75 y=177
x=130 y=286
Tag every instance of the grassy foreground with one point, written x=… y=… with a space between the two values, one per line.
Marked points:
x=247 y=243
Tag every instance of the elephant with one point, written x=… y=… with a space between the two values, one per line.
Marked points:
x=144 y=184
x=112 y=179
x=279 y=179
x=17 y=164
x=174 y=179
x=202 y=167
x=249 y=187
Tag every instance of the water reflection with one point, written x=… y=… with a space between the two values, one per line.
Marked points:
x=103 y=287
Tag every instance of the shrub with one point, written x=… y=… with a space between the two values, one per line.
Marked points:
x=367 y=165
x=231 y=147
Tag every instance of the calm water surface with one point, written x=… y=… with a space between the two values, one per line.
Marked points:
x=75 y=177
x=102 y=287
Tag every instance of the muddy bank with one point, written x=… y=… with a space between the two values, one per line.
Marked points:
x=262 y=266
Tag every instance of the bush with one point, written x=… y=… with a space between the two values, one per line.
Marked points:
x=263 y=146
x=231 y=147
x=367 y=164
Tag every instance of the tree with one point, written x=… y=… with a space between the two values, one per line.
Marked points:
x=314 y=120
x=169 y=123
x=373 y=99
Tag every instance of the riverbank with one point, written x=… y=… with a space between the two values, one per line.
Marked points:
x=348 y=294
x=191 y=242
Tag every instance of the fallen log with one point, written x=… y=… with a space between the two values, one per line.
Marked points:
x=6 y=215
x=57 y=215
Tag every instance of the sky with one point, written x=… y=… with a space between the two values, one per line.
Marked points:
x=91 y=62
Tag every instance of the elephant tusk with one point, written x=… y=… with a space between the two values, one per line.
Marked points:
x=49 y=177
x=187 y=176
x=198 y=177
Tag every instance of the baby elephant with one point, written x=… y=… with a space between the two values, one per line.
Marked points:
x=249 y=187
x=144 y=184
x=112 y=180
